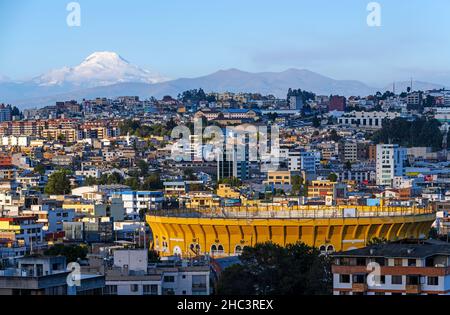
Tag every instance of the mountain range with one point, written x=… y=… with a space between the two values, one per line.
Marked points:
x=106 y=74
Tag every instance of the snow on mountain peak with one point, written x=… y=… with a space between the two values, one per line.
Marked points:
x=99 y=69
x=105 y=57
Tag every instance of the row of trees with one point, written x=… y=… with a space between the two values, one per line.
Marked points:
x=195 y=96
x=71 y=252
x=136 y=128
x=150 y=182
x=270 y=269
x=421 y=132
x=59 y=182
x=299 y=92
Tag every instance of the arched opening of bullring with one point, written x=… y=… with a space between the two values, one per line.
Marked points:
x=322 y=249
x=177 y=251
x=195 y=248
x=217 y=249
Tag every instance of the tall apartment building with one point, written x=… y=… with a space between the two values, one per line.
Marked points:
x=235 y=160
x=5 y=113
x=390 y=163
x=352 y=151
x=296 y=102
x=414 y=100
x=302 y=161
x=338 y=103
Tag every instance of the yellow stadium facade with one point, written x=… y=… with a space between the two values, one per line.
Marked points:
x=228 y=233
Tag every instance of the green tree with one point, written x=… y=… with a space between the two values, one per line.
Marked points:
x=348 y=166
x=270 y=269
x=16 y=112
x=236 y=280
x=153 y=256
x=189 y=174
x=421 y=132
x=334 y=136
x=133 y=183
x=114 y=178
x=143 y=167
x=316 y=122
x=152 y=182
x=89 y=181
x=232 y=181
x=333 y=177
x=71 y=252
x=58 y=183
x=40 y=169
x=297 y=182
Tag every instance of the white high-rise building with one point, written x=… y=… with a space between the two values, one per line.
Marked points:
x=302 y=161
x=390 y=163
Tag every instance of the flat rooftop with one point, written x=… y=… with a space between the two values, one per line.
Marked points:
x=402 y=249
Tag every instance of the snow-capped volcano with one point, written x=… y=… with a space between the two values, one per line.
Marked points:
x=99 y=69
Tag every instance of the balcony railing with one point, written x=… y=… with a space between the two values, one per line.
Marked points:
x=359 y=287
x=413 y=288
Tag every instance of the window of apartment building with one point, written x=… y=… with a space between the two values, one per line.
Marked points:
x=379 y=293
x=412 y=280
x=412 y=262
x=397 y=280
x=360 y=261
x=398 y=262
x=344 y=278
x=169 y=279
x=134 y=287
x=359 y=278
x=380 y=279
x=150 y=289
x=110 y=290
x=199 y=282
x=433 y=281
x=429 y=262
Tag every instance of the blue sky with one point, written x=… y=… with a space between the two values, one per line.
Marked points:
x=181 y=38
